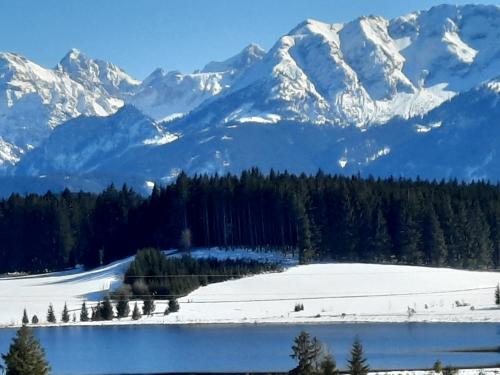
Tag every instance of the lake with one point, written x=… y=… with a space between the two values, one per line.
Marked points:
x=241 y=348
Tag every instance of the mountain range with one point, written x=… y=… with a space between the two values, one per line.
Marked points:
x=416 y=95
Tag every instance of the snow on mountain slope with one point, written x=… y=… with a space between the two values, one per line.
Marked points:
x=85 y=144
x=34 y=100
x=347 y=98
x=450 y=44
x=457 y=140
x=167 y=95
x=99 y=75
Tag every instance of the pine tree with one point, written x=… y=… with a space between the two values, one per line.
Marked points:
x=107 y=309
x=34 y=320
x=65 y=314
x=497 y=295
x=51 y=316
x=173 y=305
x=25 y=317
x=148 y=306
x=306 y=352
x=25 y=356
x=136 y=313
x=97 y=313
x=328 y=366
x=357 y=363
x=122 y=307
x=84 y=314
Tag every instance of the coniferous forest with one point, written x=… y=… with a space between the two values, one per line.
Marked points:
x=320 y=217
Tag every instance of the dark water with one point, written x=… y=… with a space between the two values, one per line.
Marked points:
x=240 y=348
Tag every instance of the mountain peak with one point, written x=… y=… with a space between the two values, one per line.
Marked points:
x=239 y=62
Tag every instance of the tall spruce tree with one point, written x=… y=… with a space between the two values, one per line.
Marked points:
x=25 y=319
x=84 y=313
x=122 y=307
x=65 y=314
x=107 y=309
x=328 y=366
x=306 y=352
x=357 y=364
x=51 y=316
x=136 y=313
x=148 y=306
x=497 y=295
x=25 y=356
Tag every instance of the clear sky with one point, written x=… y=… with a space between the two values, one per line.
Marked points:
x=142 y=35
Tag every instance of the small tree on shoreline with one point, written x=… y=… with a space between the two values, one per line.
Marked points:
x=357 y=363
x=51 y=316
x=25 y=356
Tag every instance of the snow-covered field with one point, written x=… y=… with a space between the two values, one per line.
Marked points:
x=329 y=293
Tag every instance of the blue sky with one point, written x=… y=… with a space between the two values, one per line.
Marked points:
x=142 y=35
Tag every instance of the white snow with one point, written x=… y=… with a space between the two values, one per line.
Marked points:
x=73 y=287
x=329 y=292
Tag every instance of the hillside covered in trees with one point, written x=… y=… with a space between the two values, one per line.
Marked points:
x=321 y=217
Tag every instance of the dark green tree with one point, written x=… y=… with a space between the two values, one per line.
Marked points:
x=306 y=352
x=328 y=366
x=173 y=305
x=357 y=364
x=34 y=319
x=25 y=319
x=65 y=314
x=148 y=306
x=51 y=316
x=107 y=309
x=136 y=313
x=122 y=307
x=25 y=356
x=497 y=295
x=84 y=313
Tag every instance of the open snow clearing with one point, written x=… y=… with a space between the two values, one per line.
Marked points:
x=329 y=293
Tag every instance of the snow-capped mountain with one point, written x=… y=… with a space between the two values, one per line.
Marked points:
x=415 y=95
x=87 y=144
x=34 y=100
x=97 y=74
x=168 y=95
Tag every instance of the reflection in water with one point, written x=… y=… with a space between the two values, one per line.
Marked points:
x=242 y=348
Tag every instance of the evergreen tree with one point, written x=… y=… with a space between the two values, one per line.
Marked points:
x=34 y=320
x=357 y=363
x=148 y=306
x=433 y=240
x=97 y=313
x=84 y=314
x=136 y=313
x=306 y=352
x=25 y=319
x=65 y=314
x=122 y=307
x=173 y=305
x=107 y=309
x=51 y=316
x=328 y=366
x=497 y=295
x=25 y=356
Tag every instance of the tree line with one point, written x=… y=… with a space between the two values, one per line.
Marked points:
x=320 y=217
x=153 y=275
